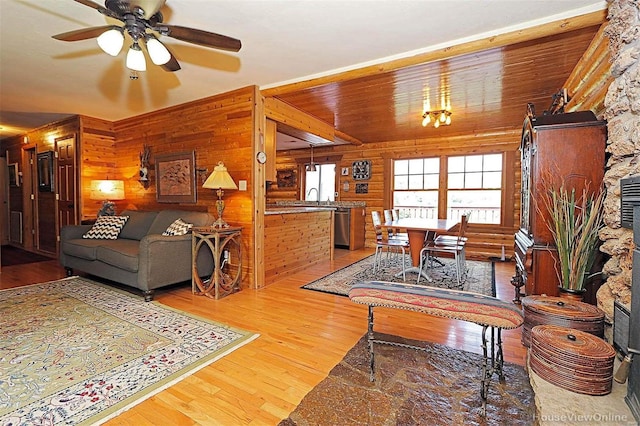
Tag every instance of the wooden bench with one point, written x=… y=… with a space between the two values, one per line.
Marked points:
x=486 y=311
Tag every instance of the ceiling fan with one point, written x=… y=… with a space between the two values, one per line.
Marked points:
x=141 y=18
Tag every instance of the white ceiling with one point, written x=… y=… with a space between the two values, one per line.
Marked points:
x=43 y=79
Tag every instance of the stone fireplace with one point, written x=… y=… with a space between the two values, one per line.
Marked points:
x=623 y=147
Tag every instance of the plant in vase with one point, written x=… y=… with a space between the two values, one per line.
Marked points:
x=574 y=222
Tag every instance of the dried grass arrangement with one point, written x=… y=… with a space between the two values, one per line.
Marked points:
x=575 y=223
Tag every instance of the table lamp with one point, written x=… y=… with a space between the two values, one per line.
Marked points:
x=220 y=179
x=107 y=190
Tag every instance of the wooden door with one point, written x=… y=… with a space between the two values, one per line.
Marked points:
x=67 y=206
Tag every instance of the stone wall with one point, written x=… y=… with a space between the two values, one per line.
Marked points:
x=623 y=115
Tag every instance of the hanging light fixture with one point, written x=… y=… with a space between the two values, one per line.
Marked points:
x=438 y=117
x=135 y=58
x=311 y=167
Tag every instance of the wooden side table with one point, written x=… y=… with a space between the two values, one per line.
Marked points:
x=225 y=245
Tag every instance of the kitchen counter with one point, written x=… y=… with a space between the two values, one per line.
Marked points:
x=293 y=209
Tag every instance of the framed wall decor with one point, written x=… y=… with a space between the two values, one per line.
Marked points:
x=176 y=177
x=14 y=177
x=286 y=178
x=362 y=188
x=45 y=171
x=345 y=171
x=361 y=170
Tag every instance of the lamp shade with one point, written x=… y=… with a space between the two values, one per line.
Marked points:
x=107 y=190
x=111 y=41
x=135 y=58
x=157 y=51
x=220 y=178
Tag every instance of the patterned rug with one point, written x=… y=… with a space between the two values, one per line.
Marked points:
x=438 y=387
x=74 y=351
x=479 y=277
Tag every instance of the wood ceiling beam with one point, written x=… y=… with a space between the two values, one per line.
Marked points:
x=282 y=112
x=519 y=36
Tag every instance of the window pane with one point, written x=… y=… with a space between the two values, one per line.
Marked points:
x=401 y=182
x=401 y=167
x=313 y=181
x=492 y=180
x=493 y=162
x=473 y=163
x=327 y=182
x=432 y=165
x=422 y=204
x=456 y=164
x=431 y=181
x=456 y=180
x=473 y=180
x=415 y=182
x=482 y=205
x=416 y=166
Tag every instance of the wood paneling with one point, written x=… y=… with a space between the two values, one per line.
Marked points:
x=217 y=128
x=487 y=89
x=295 y=241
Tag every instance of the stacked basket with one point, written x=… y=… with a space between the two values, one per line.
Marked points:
x=572 y=359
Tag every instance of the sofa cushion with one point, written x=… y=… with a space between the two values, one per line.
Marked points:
x=138 y=224
x=106 y=228
x=178 y=227
x=166 y=218
x=121 y=253
x=84 y=249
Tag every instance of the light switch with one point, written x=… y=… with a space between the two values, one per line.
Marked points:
x=242 y=185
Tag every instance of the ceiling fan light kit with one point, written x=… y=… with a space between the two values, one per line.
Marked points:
x=157 y=52
x=111 y=41
x=135 y=58
x=141 y=19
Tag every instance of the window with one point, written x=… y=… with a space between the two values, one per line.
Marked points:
x=415 y=187
x=321 y=184
x=474 y=185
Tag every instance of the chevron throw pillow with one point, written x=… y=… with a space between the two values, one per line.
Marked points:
x=178 y=227
x=106 y=228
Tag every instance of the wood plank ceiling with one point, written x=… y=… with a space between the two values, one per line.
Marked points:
x=488 y=91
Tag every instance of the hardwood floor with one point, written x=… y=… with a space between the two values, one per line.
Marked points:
x=303 y=334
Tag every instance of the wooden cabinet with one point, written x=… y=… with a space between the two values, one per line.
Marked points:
x=554 y=148
x=356 y=228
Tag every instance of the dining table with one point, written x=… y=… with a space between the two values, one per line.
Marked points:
x=417 y=231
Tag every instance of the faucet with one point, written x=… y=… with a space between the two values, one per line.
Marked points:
x=317 y=195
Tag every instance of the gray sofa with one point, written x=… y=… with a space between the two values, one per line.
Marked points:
x=141 y=256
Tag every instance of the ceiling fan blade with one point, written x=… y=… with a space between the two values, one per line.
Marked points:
x=99 y=8
x=84 y=33
x=173 y=64
x=203 y=38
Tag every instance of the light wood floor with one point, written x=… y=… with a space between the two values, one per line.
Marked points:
x=303 y=334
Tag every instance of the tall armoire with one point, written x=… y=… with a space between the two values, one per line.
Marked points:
x=554 y=148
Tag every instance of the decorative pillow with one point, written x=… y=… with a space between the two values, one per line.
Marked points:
x=178 y=227
x=106 y=228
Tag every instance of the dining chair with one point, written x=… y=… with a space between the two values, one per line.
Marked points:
x=389 y=216
x=390 y=245
x=455 y=246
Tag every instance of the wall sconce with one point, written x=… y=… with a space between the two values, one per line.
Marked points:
x=106 y=190
x=220 y=179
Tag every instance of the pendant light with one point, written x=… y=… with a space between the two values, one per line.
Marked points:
x=311 y=167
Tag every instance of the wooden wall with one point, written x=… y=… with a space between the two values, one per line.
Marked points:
x=217 y=128
x=484 y=240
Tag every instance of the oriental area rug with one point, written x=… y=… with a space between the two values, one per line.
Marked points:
x=74 y=351
x=479 y=277
x=438 y=387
